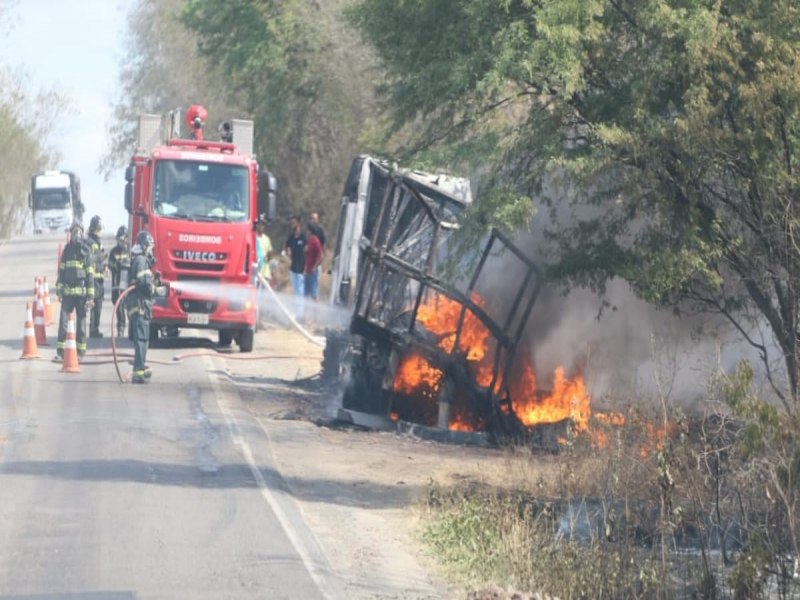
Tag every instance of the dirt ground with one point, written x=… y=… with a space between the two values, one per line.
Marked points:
x=357 y=489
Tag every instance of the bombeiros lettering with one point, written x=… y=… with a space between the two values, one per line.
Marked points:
x=200 y=239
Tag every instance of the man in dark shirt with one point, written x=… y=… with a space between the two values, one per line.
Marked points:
x=296 y=249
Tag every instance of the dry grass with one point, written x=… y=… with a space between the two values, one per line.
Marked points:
x=606 y=522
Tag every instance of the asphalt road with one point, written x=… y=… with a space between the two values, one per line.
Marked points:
x=113 y=491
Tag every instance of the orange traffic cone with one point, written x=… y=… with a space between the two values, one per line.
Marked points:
x=29 y=347
x=37 y=284
x=48 y=307
x=38 y=323
x=70 y=364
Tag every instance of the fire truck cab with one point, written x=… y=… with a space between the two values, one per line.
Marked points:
x=200 y=200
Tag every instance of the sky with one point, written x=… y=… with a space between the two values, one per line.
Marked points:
x=75 y=48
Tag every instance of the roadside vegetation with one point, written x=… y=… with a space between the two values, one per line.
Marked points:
x=27 y=118
x=671 y=504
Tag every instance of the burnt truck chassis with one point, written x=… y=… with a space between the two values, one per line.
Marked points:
x=397 y=272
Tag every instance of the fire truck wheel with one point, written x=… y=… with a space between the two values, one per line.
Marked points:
x=225 y=338
x=245 y=340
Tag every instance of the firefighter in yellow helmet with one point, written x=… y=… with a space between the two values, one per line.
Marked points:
x=75 y=289
x=119 y=262
x=99 y=260
x=140 y=302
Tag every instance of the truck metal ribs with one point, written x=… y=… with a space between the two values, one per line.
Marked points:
x=409 y=264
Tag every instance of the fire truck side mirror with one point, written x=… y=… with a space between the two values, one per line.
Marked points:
x=267 y=195
x=129 y=197
x=129 y=175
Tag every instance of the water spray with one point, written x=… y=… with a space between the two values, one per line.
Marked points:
x=177 y=359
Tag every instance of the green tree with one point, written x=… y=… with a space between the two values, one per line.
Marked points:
x=162 y=71
x=293 y=67
x=661 y=135
x=304 y=78
x=26 y=123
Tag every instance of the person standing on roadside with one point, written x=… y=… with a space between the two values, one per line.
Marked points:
x=296 y=249
x=313 y=260
x=319 y=231
x=75 y=289
x=119 y=263
x=263 y=250
x=98 y=260
x=140 y=303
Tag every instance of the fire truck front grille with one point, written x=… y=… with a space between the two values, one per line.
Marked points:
x=199 y=306
x=197 y=266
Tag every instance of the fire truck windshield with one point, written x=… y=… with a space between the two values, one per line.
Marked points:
x=201 y=191
x=50 y=199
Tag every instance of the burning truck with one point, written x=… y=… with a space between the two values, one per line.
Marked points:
x=435 y=342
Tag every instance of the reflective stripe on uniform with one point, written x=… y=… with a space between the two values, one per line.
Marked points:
x=73 y=291
x=143 y=273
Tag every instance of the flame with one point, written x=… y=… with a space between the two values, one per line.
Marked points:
x=416 y=377
x=459 y=424
x=656 y=437
x=612 y=418
x=440 y=316
x=568 y=400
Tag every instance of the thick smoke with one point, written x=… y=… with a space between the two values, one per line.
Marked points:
x=624 y=347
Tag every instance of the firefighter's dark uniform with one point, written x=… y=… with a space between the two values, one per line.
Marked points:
x=119 y=263
x=98 y=263
x=140 y=310
x=75 y=287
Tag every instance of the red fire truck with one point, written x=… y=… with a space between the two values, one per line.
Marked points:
x=200 y=199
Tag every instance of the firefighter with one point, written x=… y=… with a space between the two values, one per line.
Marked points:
x=119 y=263
x=99 y=259
x=75 y=289
x=140 y=302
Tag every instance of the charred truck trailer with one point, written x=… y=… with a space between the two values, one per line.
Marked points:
x=200 y=200
x=361 y=201
x=432 y=336
x=55 y=201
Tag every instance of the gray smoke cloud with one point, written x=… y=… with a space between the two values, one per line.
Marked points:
x=624 y=347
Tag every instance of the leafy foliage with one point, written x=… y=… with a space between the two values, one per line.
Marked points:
x=661 y=135
x=162 y=71
x=26 y=120
x=293 y=67
x=296 y=68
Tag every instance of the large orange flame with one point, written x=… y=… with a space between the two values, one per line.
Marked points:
x=415 y=376
x=568 y=400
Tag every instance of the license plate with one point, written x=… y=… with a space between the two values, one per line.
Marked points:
x=197 y=319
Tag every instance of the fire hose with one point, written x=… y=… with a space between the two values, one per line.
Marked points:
x=177 y=359
x=319 y=341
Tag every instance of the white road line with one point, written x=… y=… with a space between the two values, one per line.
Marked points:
x=306 y=549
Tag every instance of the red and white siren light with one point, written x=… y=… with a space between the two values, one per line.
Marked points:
x=195 y=118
